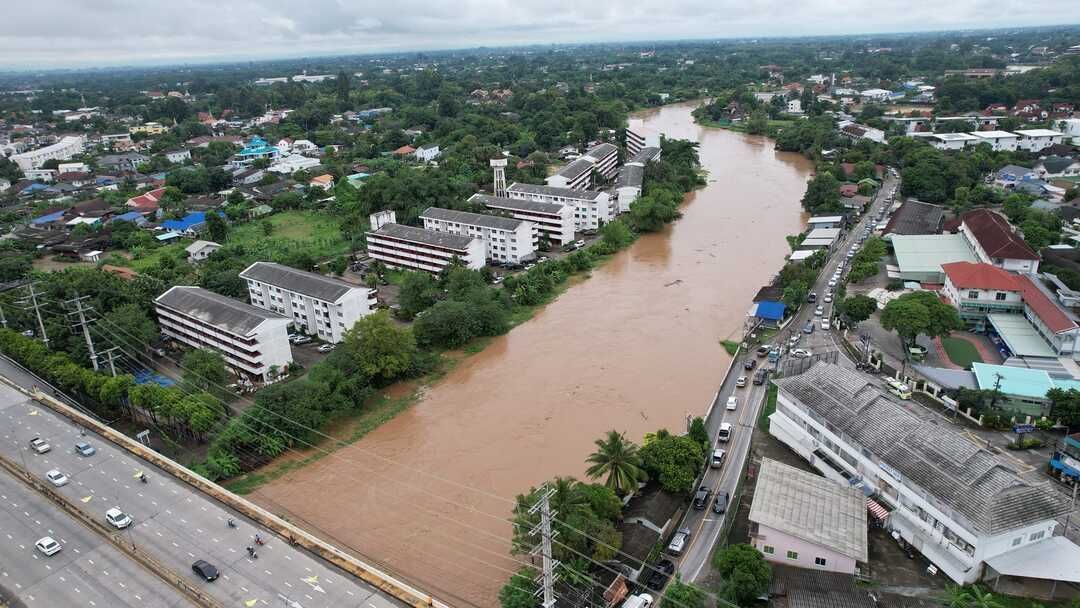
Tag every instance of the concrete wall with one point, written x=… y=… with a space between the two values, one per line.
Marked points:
x=806 y=552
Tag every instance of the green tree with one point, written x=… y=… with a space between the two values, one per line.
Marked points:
x=616 y=460
x=822 y=193
x=447 y=324
x=381 y=350
x=418 y=292
x=674 y=461
x=1064 y=406
x=616 y=235
x=698 y=432
x=131 y=326
x=204 y=369
x=745 y=572
x=216 y=228
x=758 y=123
x=919 y=313
x=683 y=595
x=858 y=308
x=520 y=590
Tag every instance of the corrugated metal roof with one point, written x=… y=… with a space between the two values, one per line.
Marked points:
x=213 y=309
x=310 y=284
x=474 y=219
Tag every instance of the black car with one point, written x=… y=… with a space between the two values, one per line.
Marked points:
x=750 y=363
x=206 y=571
x=811 y=297
x=721 y=503
x=660 y=575
x=701 y=498
x=759 y=377
x=763 y=350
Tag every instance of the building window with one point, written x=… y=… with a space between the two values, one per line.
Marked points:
x=973 y=295
x=819 y=561
x=1036 y=536
x=1000 y=296
x=1017 y=540
x=793 y=555
x=767 y=550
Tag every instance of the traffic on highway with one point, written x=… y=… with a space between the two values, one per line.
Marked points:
x=737 y=405
x=233 y=560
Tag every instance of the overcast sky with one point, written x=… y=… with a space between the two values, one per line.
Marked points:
x=77 y=33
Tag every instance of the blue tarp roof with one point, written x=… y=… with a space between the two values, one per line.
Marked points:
x=146 y=376
x=770 y=310
x=33 y=188
x=192 y=219
x=47 y=219
x=130 y=216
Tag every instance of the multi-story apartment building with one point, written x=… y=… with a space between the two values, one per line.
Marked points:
x=505 y=239
x=605 y=159
x=591 y=207
x=553 y=220
x=576 y=175
x=978 y=290
x=994 y=241
x=414 y=248
x=956 y=502
x=67 y=147
x=253 y=341
x=628 y=185
x=1034 y=140
x=998 y=140
x=639 y=136
x=319 y=305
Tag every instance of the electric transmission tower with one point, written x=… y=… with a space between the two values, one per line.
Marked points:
x=547 y=576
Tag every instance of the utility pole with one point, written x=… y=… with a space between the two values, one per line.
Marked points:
x=112 y=364
x=547 y=576
x=81 y=313
x=37 y=311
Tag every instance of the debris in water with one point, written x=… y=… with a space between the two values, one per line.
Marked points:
x=675 y=282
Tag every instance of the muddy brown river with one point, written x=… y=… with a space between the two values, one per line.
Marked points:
x=634 y=347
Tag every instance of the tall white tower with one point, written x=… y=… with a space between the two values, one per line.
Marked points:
x=499 y=166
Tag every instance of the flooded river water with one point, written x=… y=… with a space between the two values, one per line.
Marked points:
x=634 y=347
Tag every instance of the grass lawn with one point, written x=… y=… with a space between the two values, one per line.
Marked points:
x=731 y=346
x=312 y=232
x=768 y=409
x=153 y=255
x=961 y=352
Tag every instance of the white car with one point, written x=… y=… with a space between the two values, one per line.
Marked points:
x=39 y=445
x=824 y=324
x=56 y=478
x=828 y=299
x=117 y=518
x=740 y=382
x=800 y=353
x=732 y=403
x=832 y=283
x=819 y=311
x=325 y=348
x=48 y=546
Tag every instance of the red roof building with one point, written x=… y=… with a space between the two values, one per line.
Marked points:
x=404 y=151
x=995 y=242
x=146 y=203
x=971 y=275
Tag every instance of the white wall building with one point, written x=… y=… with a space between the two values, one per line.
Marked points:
x=292 y=164
x=178 y=156
x=577 y=175
x=427 y=153
x=639 y=136
x=998 y=140
x=251 y=340
x=605 y=159
x=505 y=239
x=591 y=207
x=794 y=106
x=1034 y=140
x=950 y=141
x=955 y=502
x=628 y=185
x=67 y=147
x=553 y=220
x=200 y=250
x=319 y=305
x=413 y=248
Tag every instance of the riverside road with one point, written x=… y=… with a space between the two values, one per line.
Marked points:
x=705 y=525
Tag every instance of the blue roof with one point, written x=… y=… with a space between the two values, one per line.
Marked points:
x=34 y=187
x=47 y=219
x=168 y=236
x=192 y=219
x=130 y=216
x=257 y=146
x=146 y=376
x=1020 y=381
x=770 y=310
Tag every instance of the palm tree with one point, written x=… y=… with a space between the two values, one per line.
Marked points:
x=618 y=460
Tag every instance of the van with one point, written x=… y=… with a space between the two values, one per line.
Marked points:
x=717 y=458
x=898 y=388
x=679 y=541
x=725 y=432
x=641 y=600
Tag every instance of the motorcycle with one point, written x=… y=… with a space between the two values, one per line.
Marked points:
x=259 y=541
x=229 y=523
x=251 y=553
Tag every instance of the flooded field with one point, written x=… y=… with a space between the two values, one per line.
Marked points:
x=635 y=347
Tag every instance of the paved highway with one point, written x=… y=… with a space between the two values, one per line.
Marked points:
x=705 y=525
x=173 y=523
x=88 y=571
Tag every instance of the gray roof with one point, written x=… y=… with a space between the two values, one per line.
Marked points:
x=589 y=195
x=516 y=204
x=310 y=284
x=630 y=175
x=475 y=219
x=916 y=217
x=811 y=508
x=220 y=311
x=576 y=168
x=601 y=150
x=424 y=237
x=1014 y=170
x=645 y=155
x=976 y=486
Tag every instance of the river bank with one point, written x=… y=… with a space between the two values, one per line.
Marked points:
x=635 y=347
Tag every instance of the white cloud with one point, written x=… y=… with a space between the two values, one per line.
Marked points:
x=47 y=33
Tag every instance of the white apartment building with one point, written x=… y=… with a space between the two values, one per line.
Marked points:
x=251 y=340
x=67 y=147
x=628 y=185
x=998 y=140
x=414 y=248
x=644 y=156
x=319 y=305
x=949 y=141
x=1034 y=140
x=591 y=207
x=505 y=239
x=605 y=159
x=553 y=220
x=639 y=136
x=954 y=501
x=577 y=175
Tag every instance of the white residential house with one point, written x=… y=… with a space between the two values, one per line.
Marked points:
x=952 y=500
x=73 y=168
x=555 y=221
x=592 y=208
x=200 y=250
x=293 y=163
x=413 y=248
x=43 y=175
x=505 y=239
x=1034 y=140
x=304 y=146
x=794 y=106
x=253 y=341
x=950 y=141
x=994 y=241
x=998 y=140
x=878 y=95
x=427 y=153
x=319 y=305
x=178 y=156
